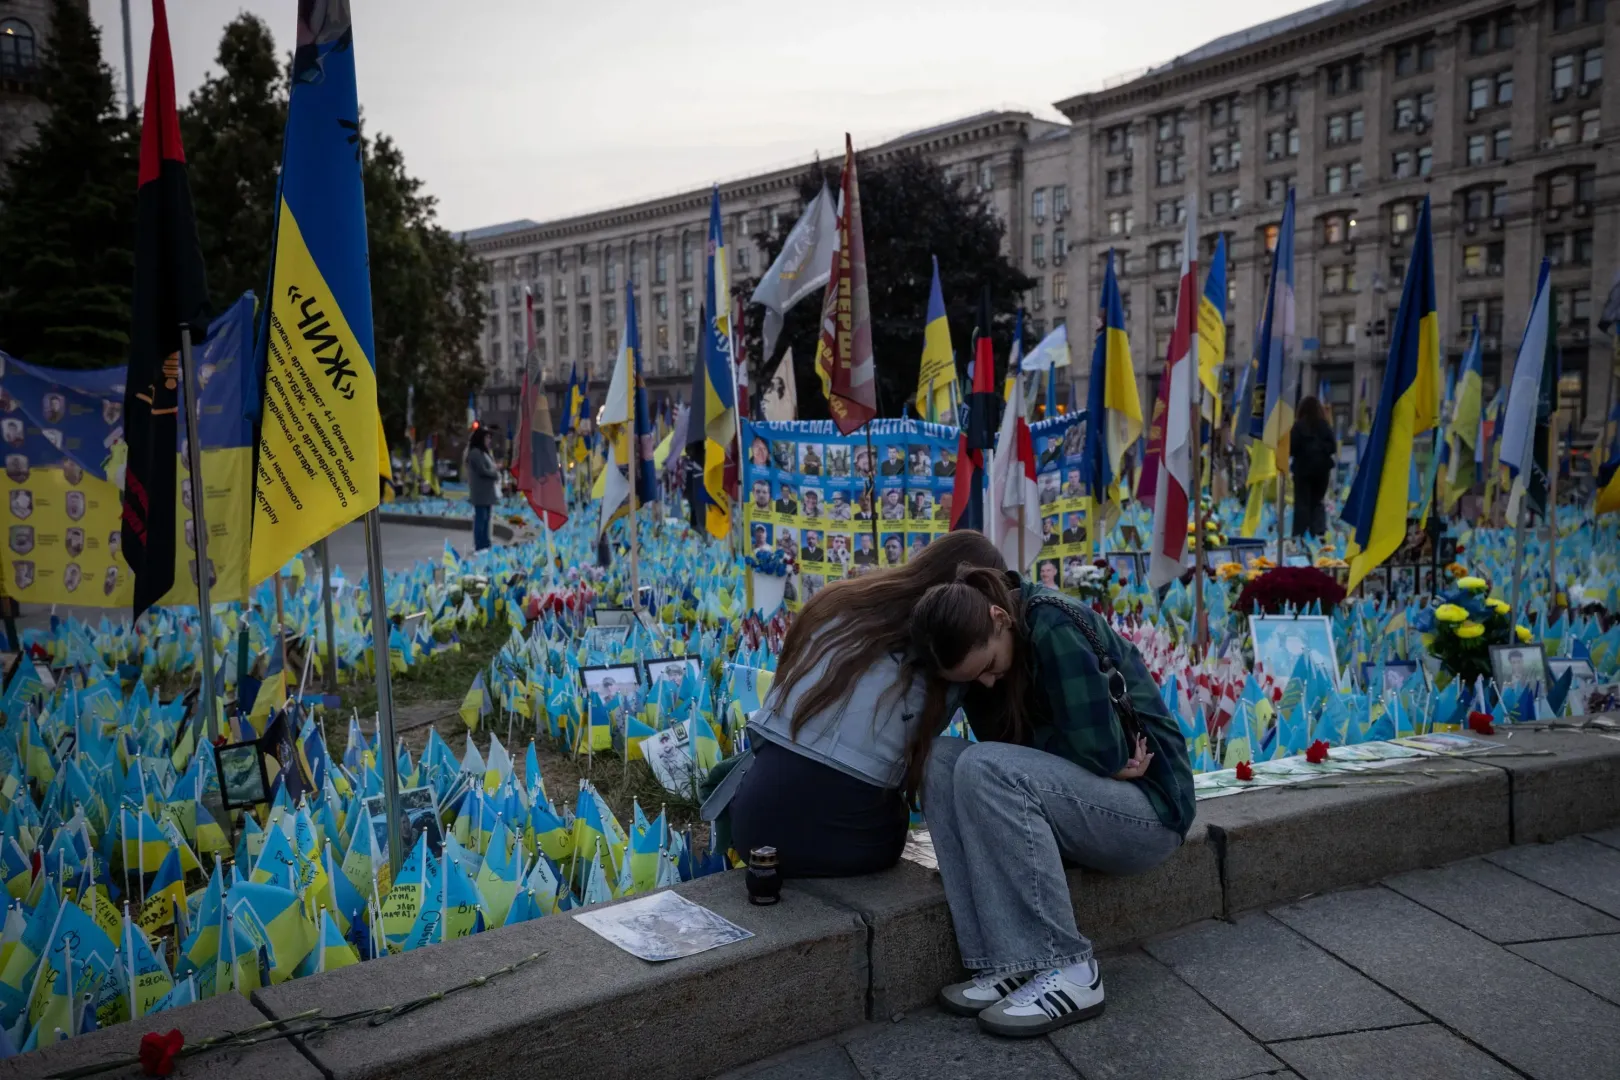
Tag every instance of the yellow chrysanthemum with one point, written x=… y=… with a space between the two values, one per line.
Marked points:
x=1499 y=606
x=1470 y=630
x=1472 y=584
x=1450 y=613
x=1523 y=632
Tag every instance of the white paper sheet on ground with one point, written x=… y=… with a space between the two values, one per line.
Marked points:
x=662 y=926
x=920 y=849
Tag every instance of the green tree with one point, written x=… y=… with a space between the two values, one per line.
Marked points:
x=910 y=210
x=67 y=212
x=232 y=128
x=427 y=299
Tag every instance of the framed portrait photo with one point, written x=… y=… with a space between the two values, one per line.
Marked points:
x=615 y=617
x=243 y=779
x=1281 y=642
x=1519 y=665
x=1395 y=675
x=671 y=669
x=611 y=682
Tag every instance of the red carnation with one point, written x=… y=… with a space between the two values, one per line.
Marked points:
x=1244 y=772
x=1480 y=722
x=158 y=1052
x=1316 y=753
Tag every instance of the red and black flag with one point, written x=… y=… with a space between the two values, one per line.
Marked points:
x=170 y=291
x=979 y=430
x=534 y=464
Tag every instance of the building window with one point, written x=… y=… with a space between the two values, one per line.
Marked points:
x=1573 y=248
x=1119 y=181
x=1119 y=138
x=987 y=176
x=1479 y=92
x=1164 y=301
x=661 y=304
x=1404 y=164
x=742 y=258
x=1170 y=211
x=610 y=313
x=1276 y=189
x=686 y=302
x=1425 y=160
x=660 y=267
x=1563 y=129
x=1338 y=228
x=1224 y=200
x=686 y=256
x=494 y=352
x=1060 y=245
x=1401 y=218
x=1270 y=235
x=1344 y=77
x=1167 y=256
x=1060 y=201
x=1483 y=202
x=1225 y=110
x=1332 y=280
x=1571 y=187
x=1414 y=57
x=1476 y=149
x=17 y=51
x=1060 y=289
x=1280 y=95
x=1168 y=126
x=1490 y=32
x=1037 y=248
x=584 y=284
x=1575 y=306
x=1482 y=260
x=1587 y=64
x=1589 y=125
x=1037 y=204
x=1414 y=109
x=1339 y=328
x=661 y=335
x=610 y=276
x=1037 y=292
x=1225 y=154
x=1282 y=142
x=516 y=327
x=1121 y=222
x=1501 y=143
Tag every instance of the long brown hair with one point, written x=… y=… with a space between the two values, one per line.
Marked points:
x=853 y=623
x=951 y=620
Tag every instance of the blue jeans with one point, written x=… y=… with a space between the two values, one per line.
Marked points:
x=480 y=527
x=1003 y=818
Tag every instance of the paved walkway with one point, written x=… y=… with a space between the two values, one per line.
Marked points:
x=1498 y=967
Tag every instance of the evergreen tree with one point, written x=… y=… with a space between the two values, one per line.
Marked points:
x=67 y=212
x=232 y=128
x=910 y=210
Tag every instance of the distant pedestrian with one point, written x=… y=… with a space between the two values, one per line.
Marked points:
x=1313 y=449
x=482 y=478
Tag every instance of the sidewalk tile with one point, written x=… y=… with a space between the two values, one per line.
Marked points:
x=828 y=1063
x=1577 y=867
x=1276 y=984
x=934 y=1046
x=1421 y=1052
x=1499 y=904
x=1592 y=962
x=1531 y=1018
x=1609 y=837
x=1156 y=1026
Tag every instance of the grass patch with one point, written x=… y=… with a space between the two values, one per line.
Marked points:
x=442 y=678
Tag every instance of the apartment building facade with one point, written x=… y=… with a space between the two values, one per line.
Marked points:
x=1499 y=113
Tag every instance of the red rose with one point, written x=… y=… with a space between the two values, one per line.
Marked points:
x=1480 y=722
x=1244 y=772
x=1316 y=753
x=158 y=1052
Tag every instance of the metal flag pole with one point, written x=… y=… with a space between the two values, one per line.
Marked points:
x=330 y=681
x=199 y=529
x=1200 y=616
x=1518 y=552
x=1554 y=467
x=385 y=686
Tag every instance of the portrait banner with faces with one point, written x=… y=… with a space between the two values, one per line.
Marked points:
x=1066 y=541
x=62 y=435
x=844 y=504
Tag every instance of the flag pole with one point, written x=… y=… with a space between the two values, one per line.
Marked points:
x=199 y=529
x=1518 y=553
x=1554 y=468
x=385 y=687
x=635 y=501
x=330 y=681
x=1200 y=616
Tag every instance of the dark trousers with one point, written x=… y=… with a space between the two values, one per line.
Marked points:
x=481 y=527
x=1310 y=515
x=822 y=822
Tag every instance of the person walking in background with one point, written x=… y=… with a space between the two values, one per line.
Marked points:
x=1313 y=449
x=482 y=478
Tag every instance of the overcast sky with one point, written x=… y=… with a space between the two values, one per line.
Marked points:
x=532 y=108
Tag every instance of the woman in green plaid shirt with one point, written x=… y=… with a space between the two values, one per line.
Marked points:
x=1071 y=764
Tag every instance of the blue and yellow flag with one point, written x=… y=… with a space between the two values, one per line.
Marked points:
x=1275 y=374
x=1408 y=406
x=1463 y=433
x=321 y=449
x=936 y=376
x=1114 y=406
x=1608 y=466
x=719 y=391
x=1212 y=332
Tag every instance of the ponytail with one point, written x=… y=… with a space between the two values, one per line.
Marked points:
x=948 y=622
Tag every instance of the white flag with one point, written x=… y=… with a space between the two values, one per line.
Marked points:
x=780 y=400
x=1012 y=484
x=804 y=265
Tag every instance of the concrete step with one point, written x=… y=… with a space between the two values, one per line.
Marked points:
x=836 y=953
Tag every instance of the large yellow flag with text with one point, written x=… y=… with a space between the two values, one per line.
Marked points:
x=321 y=448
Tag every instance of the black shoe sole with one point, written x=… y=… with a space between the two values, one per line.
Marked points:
x=1044 y=1029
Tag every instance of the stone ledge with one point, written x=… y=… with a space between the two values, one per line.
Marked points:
x=1575 y=789
x=274 y=1060
x=1288 y=842
x=1184 y=889
x=458 y=523
x=802 y=976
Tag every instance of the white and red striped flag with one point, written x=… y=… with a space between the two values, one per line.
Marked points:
x=1175 y=480
x=1012 y=479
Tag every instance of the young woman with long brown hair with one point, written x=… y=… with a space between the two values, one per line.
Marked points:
x=826 y=780
x=1078 y=759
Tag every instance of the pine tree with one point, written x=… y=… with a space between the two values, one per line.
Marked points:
x=232 y=128
x=67 y=212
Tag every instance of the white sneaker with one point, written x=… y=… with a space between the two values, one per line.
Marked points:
x=1047 y=1002
x=972 y=997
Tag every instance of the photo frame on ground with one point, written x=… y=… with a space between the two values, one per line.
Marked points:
x=603 y=638
x=669 y=668
x=243 y=780
x=1125 y=565
x=1396 y=674
x=1281 y=641
x=606 y=617
x=611 y=682
x=1583 y=683
x=1519 y=665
